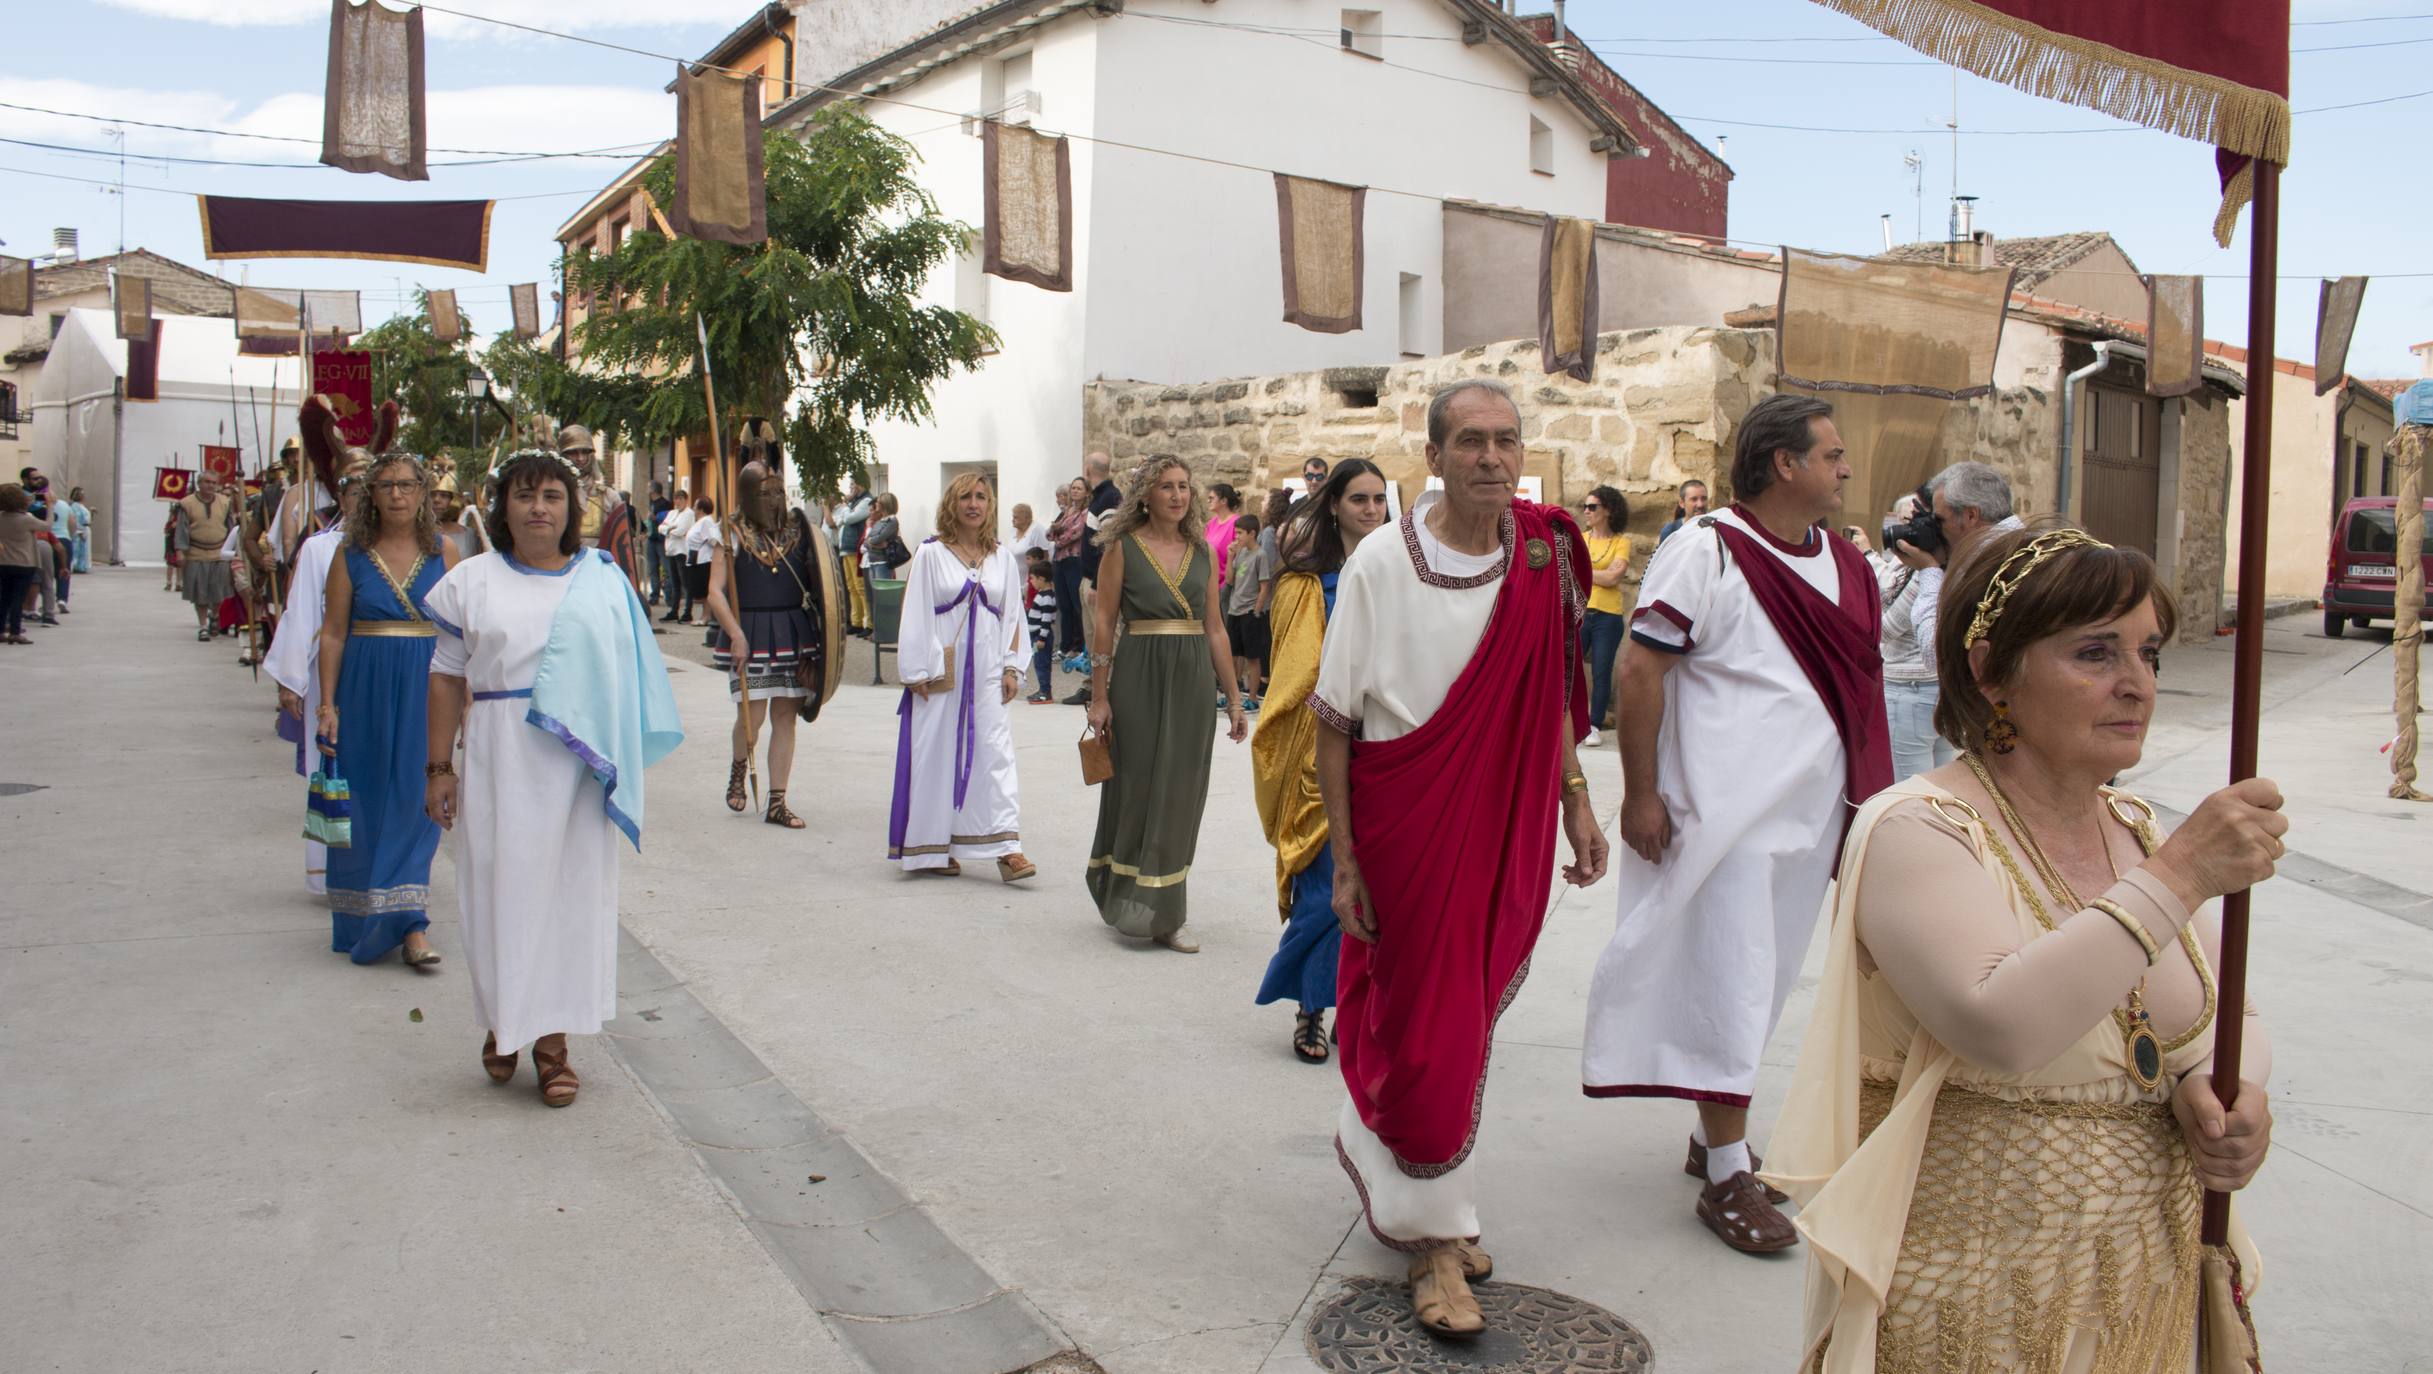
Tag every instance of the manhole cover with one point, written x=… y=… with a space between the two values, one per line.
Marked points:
x=1368 y=1329
x=19 y=789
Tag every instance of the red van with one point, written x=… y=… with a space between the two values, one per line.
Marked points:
x=2364 y=567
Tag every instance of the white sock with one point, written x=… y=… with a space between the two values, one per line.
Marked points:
x=1723 y=1161
x=1698 y=1135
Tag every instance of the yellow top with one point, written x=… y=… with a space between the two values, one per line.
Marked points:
x=1602 y=554
x=1284 y=751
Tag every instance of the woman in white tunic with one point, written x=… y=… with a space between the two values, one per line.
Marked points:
x=542 y=801
x=960 y=651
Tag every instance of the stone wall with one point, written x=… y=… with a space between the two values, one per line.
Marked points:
x=1660 y=411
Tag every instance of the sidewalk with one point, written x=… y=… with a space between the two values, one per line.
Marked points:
x=233 y=1150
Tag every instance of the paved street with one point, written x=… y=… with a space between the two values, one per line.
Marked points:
x=229 y=1149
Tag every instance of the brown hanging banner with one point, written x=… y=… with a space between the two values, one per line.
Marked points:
x=442 y=233
x=144 y=365
x=525 y=302
x=131 y=301
x=1325 y=257
x=1026 y=206
x=372 y=117
x=2175 y=335
x=447 y=324
x=720 y=191
x=2336 y=310
x=1567 y=298
x=16 y=285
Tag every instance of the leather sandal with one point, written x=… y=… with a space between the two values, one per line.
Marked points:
x=1179 y=940
x=779 y=815
x=1476 y=1265
x=1737 y=1211
x=953 y=868
x=1014 y=868
x=500 y=1067
x=558 y=1083
x=735 y=796
x=1696 y=1168
x=1309 y=1039
x=1440 y=1295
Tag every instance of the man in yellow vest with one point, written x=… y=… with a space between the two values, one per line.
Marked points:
x=205 y=519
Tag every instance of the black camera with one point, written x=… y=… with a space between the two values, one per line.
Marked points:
x=1923 y=531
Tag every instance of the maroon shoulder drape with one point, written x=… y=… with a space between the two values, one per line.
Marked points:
x=1456 y=825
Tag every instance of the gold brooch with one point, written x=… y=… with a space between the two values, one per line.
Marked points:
x=1538 y=554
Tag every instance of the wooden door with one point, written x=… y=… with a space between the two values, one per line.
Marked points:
x=2123 y=465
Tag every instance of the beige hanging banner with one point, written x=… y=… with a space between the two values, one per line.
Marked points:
x=1027 y=206
x=525 y=301
x=2175 y=335
x=447 y=323
x=16 y=285
x=131 y=301
x=2336 y=308
x=1325 y=257
x=372 y=117
x=2406 y=451
x=720 y=190
x=1567 y=298
x=269 y=312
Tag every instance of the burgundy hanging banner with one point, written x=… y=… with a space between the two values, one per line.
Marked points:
x=372 y=109
x=443 y=233
x=144 y=365
x=344 y=377
x=525 y=302
x=447 y=323
x=721 y=195
x=2213 y=70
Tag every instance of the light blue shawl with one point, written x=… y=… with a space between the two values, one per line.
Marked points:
x=602 y=688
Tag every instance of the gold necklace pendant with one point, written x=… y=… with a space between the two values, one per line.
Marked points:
x=2145 y=1050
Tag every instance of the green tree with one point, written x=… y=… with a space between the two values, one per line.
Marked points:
x=820 y=329
x=426 y=378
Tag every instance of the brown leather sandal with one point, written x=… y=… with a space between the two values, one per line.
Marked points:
x=1696 y=1168
x=1013 y=868
x=779 y=815
x=1440 y=1294
x=735 y=796
x=1737 y=1211
x=500 y=1067
x=558 y=1083
x=1476 y=1265
x=1309 y=1038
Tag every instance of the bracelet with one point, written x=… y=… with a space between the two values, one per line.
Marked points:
x=445 y=769
x=2129 y=923
x=1575 y=782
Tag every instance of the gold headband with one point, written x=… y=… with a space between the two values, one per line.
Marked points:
x=2015 y=570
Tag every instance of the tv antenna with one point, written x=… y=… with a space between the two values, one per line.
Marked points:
x=1915 y=162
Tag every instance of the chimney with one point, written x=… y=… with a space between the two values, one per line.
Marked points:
x=1887 y=233
x=63 y=245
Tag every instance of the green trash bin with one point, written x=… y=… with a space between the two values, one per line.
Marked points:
x=886 y=618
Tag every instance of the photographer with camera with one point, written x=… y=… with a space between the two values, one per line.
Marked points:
x=1930 y=532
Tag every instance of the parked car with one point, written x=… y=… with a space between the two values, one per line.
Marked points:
x=2363 y=570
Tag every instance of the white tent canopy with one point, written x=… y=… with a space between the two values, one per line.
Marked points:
x=87 y=434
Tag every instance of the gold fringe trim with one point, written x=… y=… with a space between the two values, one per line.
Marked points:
x=2091 y=75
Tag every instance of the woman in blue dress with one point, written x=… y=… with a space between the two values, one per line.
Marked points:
x=375 y=682
x=1318 y=536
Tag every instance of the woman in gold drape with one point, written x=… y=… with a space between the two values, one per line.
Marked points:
x=2002 y=1118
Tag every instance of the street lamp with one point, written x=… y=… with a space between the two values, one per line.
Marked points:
x=477 y=386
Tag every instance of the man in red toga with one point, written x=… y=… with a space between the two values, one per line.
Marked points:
x=1454 y=700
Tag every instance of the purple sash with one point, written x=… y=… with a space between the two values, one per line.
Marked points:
x=967 y=729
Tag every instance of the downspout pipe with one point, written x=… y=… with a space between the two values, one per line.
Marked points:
x=768 y=21
x=2069 y=423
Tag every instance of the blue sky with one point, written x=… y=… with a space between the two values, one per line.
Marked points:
x=2349 y=202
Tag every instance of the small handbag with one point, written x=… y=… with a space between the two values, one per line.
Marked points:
x=1097 y=758
x=329 y=809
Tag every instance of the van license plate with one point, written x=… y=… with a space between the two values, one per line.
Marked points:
x=2363 y=572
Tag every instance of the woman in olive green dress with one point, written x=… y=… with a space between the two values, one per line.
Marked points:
x=1149 y=701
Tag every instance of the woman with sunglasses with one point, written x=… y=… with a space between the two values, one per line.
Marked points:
x=1603 y=517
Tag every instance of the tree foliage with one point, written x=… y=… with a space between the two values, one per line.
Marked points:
x=820 y=329
x=426 y=379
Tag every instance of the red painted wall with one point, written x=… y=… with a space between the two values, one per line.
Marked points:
x=1680 y=185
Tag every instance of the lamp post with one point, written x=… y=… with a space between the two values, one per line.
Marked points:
x=477 y=387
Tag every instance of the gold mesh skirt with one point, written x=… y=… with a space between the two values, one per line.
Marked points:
x=2044 y=1238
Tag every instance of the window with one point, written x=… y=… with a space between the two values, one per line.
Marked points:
x=57 y=321
x=1413 y=322
x=1006 y=93
x=1364 y=32
x=1541 y=147
x=2357 y=473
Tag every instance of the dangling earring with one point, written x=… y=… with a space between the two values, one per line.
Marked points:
x=2000 y=735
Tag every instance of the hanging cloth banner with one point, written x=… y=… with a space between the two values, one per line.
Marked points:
x=2175 y=335
x=344 y=378
x=269 y=312
x=720 y=192
x=525 y=302
x=1026 y=206
x=1567 y=298
x=2336 y=308
x=372 y=109
x=131 y=302
x=172 y=484
x=1325 y=256
x=1892 y=345
x=447 y=323
x=16 y=285
x=2213 y=70
x=144 y=365
x=221 y=461
x=442 y=233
